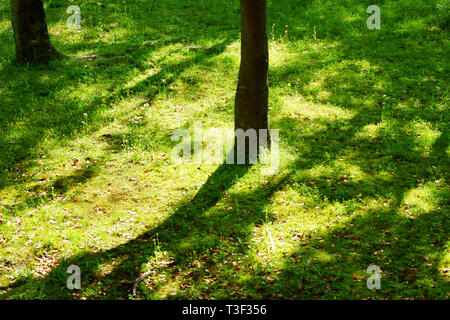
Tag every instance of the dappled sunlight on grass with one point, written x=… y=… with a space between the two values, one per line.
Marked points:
x=86 y=176
x=421 y=200
x=297 y=107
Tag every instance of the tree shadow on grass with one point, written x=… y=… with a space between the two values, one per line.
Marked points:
x=19 y=145
x=68 y=118
x=184 y=228
x=40 y=103
x=331 y=264
x=408 y=242
x=44 y=192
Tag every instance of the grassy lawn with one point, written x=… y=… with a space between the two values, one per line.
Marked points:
x=86 y=176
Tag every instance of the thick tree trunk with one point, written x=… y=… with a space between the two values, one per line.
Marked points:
x=30 y=32
x=251 y=105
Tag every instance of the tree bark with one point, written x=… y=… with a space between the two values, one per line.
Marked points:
x=30 y=32
x=251 y=104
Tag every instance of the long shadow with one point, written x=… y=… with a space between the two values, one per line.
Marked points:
x=184 y=224
x=64 y=127
x=19 y=146
x=321 y=269
x=38 y=106
x=407 y=249
x=188 y=230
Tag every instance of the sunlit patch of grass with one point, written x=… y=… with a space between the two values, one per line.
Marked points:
x=5 y=26
x=296 y=106
x=420 y=200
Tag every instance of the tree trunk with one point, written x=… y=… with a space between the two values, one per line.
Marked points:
x=30 y=32
x=251 y=105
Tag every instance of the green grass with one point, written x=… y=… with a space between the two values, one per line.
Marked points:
x=86 y=176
